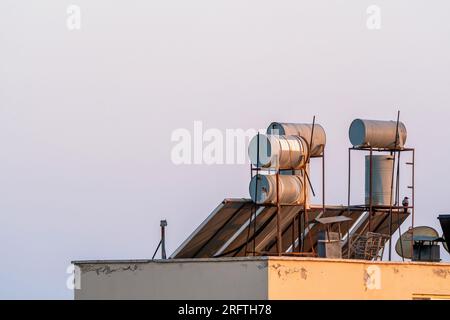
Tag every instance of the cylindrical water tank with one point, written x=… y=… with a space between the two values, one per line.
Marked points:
x=263 y=189
x=303 y=130
x=301 y=173
x=377 y=134
x=382 y=166
x=281 y=152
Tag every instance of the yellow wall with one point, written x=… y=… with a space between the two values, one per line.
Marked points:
x=303 y=278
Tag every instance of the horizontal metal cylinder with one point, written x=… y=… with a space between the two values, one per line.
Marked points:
x=263 y=189
x=303 y=130
x=280 y=152
x=377 y=134
x=382 y=166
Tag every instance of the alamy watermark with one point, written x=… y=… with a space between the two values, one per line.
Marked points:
x=74 y=279
x=373 y=21
x=73 y=20
x=210 y=146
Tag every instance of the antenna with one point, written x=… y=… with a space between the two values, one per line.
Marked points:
x=162 y=242
x=163 y=225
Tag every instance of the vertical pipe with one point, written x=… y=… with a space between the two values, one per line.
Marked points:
x=309 y=234
x=299 y=231
x=257 y=150
x=304 y=183
x=398 y=204
x=304 y=230
x=250 y=219
x=307 y=218
x=397 y=181
x=293 y=234
x=348 y=240
x=348 y=199
x=412 y=200
x=370 y=189
x=323 y=181
x=279 y=244
x=311 y=138
x=392 y=186
x=254 y=232
x=390 y=207
x=304 y=210
x=256 y=197
x=163 y=225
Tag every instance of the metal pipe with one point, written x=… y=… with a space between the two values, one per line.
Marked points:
x=306 y=217
x=253 y=208
x=157 y=248
x=254 y=231
x=412 y=199
x=163 y=225
x=256 y=188
x=348 y=198
x=370 y=189
x=299 y=231
x=390 y=209
x=304 y=231
x=279 y=235
x=309 y=182
x=312 y=135
x=306 y=174
x=392 y=187
x=398 y=203
x=323 y=181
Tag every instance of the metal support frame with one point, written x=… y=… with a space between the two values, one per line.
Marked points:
x=394 y=205
x=300 y=225
x=279 y=233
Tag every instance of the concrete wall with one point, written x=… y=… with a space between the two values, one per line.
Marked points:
x=173 y=279
x=262 y=278
x=350 y=279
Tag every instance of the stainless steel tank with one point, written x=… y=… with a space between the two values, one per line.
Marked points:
x=382 y=166
x=300 y=174
x=377 y=133
x=303 y=130
x=263 y=189
x=281 y=152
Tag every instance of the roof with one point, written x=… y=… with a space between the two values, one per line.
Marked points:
x=229 y=232
x=251 y=258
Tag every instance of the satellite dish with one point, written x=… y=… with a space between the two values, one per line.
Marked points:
x=403 y=245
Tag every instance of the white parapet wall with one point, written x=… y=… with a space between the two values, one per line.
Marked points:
x=261 y=278
x=239 y=278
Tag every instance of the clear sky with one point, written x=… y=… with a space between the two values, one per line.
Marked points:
x=86 y=116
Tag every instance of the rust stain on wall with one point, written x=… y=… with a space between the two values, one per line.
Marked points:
x=304 y=274
x=108 y=269
x=442 y=273
x=284 y=271
x=365 y=279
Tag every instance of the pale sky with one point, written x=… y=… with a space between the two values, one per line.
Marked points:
x=86 y=116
